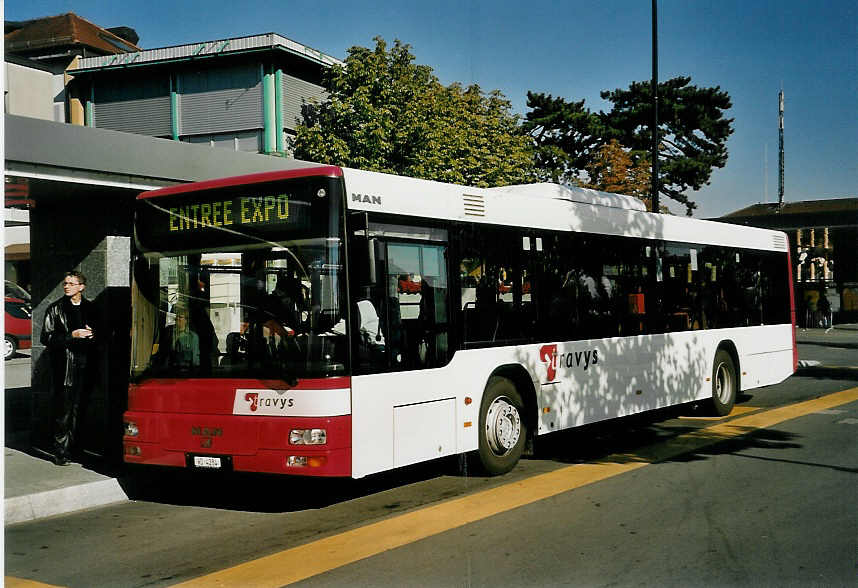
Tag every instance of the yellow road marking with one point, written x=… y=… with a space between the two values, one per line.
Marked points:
x=12 y=582
x=737 y=410
x=304 y=561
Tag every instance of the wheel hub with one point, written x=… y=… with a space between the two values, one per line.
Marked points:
x=723 y=383
x=503 y=426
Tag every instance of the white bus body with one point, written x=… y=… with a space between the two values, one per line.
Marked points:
x=405 y=417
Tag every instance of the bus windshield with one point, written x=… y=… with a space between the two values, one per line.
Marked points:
x=238 y=296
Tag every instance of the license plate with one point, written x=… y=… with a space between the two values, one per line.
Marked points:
x=204 y=461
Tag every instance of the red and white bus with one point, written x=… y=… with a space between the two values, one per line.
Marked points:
x=326 y=321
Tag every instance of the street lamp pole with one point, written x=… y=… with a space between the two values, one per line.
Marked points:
x=655 y=186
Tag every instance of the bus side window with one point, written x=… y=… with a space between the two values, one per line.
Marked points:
x=417 y=285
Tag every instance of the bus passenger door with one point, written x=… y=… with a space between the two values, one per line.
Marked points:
x=401 y=304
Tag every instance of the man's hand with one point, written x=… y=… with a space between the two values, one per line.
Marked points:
x=84 y=333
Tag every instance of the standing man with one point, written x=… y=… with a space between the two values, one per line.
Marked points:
x=68 y=336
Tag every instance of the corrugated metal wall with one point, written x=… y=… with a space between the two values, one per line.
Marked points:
x=218 y=100
x=249 y=141
x=134 y=106
x=220 y=104
x=297 y=92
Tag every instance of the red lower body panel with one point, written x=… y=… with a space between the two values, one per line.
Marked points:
x=251 y=444
x=175 y=422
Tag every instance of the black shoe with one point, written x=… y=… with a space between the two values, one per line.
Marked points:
x=61 y=460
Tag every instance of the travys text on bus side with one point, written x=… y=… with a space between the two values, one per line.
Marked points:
x=243 y=210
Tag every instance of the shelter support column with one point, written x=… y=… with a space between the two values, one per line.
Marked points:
x=59 y=245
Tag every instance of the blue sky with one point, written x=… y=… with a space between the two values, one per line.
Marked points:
x=575 y=49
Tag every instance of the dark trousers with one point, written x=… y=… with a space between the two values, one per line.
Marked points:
x=67 y=403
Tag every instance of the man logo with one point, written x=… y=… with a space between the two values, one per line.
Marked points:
x=366 y=199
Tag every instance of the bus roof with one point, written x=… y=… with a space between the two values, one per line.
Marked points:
x=330 y=171
x=538 y=206
x=544 y=206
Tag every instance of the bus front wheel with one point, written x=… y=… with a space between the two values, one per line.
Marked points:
x=503 y=430
x=724 y=383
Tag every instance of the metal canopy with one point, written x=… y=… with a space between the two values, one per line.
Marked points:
x=84 y=158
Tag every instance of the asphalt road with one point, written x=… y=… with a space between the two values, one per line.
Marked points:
x=772 y=506
x=16 y=372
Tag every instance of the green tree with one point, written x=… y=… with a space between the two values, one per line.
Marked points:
x=385 y=113
x=565 y=137
x=693 y=131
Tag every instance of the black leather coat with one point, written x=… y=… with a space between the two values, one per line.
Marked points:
x=66 y=352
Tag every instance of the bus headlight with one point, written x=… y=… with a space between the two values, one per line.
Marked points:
x=131 y=429
x=308 y=437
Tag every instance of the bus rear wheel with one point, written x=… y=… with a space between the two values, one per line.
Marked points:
x=503 y=429
x=724 y=383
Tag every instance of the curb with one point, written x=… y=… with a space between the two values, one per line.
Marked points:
x=19 y=509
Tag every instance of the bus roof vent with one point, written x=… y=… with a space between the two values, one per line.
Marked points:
x=475 y=205
x=780 y=242
x=572 y=194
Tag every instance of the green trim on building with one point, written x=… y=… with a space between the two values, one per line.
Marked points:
x=174 y=106
x=269 y=138
x=278 y=109
x=89 y=108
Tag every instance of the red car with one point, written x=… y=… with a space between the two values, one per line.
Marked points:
x=19 y=312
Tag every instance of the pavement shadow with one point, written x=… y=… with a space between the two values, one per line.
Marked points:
x=272 y=493
x=649 y=438
x=828 y=373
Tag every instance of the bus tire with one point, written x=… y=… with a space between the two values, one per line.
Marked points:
x=503 y=428
x=724 y=383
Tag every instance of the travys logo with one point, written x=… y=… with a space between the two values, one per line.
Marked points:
x=253 y=399
x=554 y=361
x=293 y=402
x=267 y=402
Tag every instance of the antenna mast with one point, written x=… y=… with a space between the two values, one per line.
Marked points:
x=780 y=149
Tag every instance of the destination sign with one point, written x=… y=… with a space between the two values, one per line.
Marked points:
x=241 y=211
x=236 y=215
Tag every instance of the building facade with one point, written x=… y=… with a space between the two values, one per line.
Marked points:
x=53 y=44
x=823 y=238
x=244 y=94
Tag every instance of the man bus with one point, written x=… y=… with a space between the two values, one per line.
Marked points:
x=351 y=322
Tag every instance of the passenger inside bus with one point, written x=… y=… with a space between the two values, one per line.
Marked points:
x=185 y=348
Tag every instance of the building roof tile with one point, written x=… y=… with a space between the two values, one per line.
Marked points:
x=62 y=31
